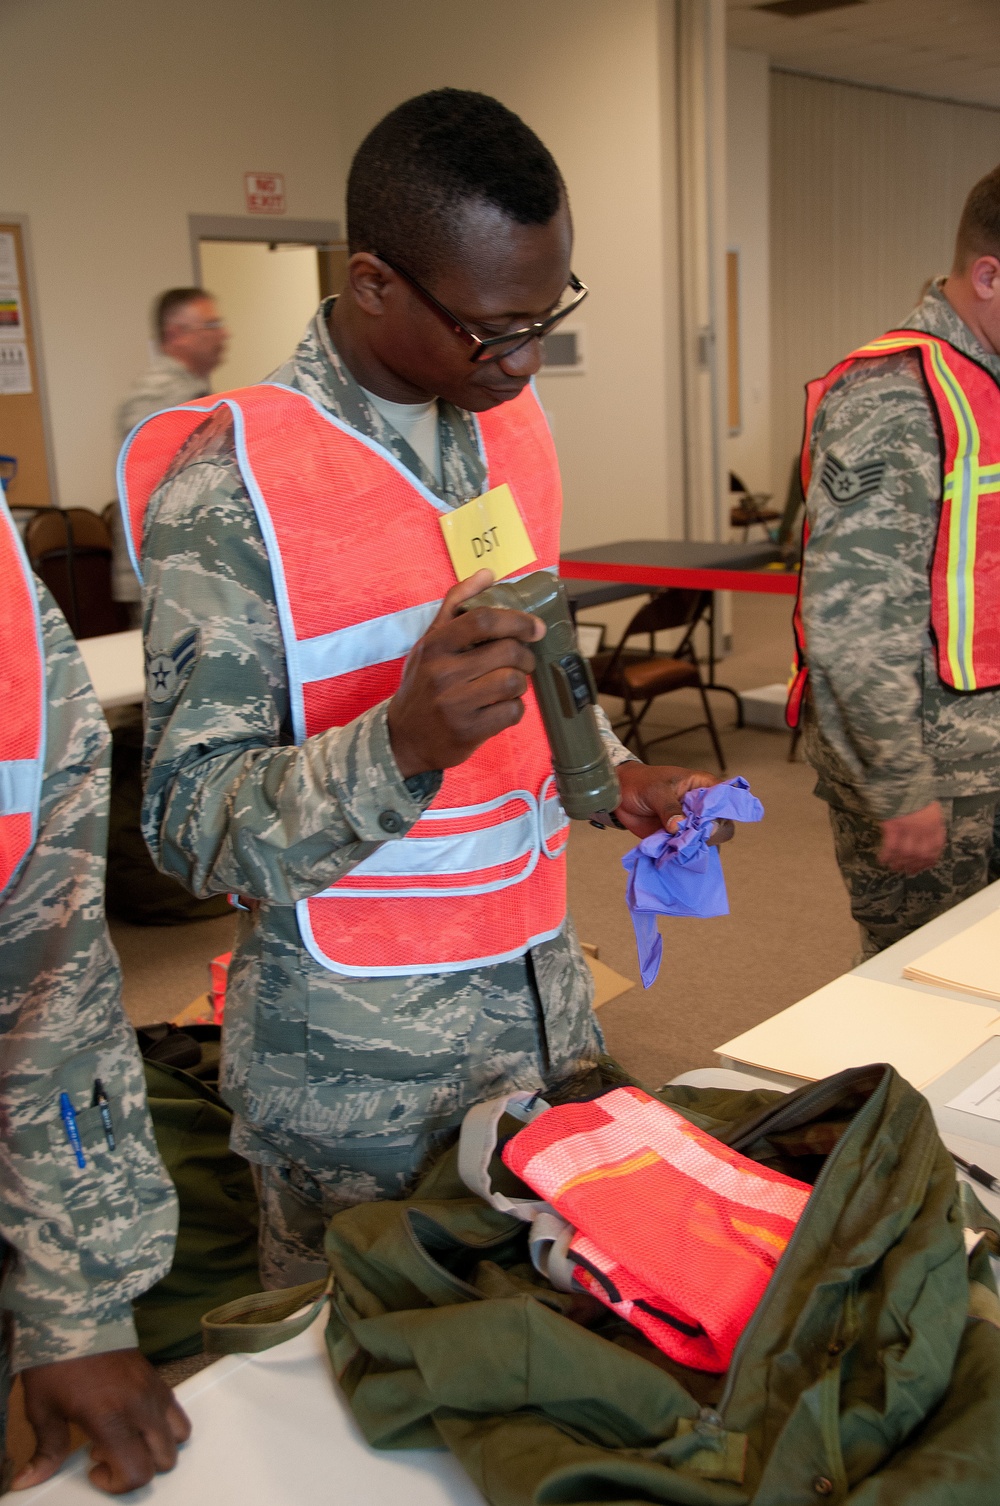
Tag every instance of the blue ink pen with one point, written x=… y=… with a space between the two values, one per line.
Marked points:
x=72 y=1129
x=100 y=1103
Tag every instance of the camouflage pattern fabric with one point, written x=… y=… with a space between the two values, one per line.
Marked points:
x=344 y=1079
x=79 y=1244
x=165 y=383
x=295 y=1205
x=888 y=906
x=884 y=734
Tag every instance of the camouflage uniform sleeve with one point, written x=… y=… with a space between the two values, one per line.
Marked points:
x=230 y=803
x=873 y=508
x=617 y=751
x=81 y=1243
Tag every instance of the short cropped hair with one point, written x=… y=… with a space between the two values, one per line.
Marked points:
x=979 y=227
x=431 y=156
x=169 y=305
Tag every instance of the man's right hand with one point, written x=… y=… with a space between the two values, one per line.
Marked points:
x=463 y=681
x=128 y=1411
x=912 y=843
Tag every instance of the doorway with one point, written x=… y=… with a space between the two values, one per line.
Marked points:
x=268 y=277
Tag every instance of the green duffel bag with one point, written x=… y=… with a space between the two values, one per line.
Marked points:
x=215 y=1259
x=869 y=1372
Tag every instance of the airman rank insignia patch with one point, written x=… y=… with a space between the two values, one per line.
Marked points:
x=165 y=672
x=843 y=485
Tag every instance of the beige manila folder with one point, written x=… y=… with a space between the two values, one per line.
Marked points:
x=853 y=1021
x=969 y=961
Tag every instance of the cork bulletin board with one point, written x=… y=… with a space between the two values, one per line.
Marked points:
x=23 y=419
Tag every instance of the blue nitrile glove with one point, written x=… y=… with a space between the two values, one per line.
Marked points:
x=677 y=873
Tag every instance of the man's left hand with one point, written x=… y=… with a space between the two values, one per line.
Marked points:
x=652 y=795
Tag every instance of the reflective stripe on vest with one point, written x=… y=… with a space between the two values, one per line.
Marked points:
x=22 y=695
x=359 y=569
x=965 y=592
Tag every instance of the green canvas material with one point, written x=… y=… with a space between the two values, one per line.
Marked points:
x=215 y=1259
x=869 y=1373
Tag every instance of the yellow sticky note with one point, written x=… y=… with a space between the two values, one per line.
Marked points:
x=487 y=532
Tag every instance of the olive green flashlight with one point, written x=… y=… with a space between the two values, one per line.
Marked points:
x=566 y=693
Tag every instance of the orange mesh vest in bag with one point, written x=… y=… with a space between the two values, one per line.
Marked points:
x=360 y=567
x=965 y=570
x=673 y=1230
x=22 y=696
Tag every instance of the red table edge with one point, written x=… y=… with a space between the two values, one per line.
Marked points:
x=770 y=582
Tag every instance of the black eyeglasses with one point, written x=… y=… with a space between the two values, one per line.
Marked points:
x=495 y=347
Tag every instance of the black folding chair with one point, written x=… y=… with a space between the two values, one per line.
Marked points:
x=638 y=676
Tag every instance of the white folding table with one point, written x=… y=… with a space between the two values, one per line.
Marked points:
x=115 y=666
x=275 y=1429
x=967 y=1135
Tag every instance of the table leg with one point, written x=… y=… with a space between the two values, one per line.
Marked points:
x=710 y=684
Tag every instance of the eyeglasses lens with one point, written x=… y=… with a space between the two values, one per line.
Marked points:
x=497 y=350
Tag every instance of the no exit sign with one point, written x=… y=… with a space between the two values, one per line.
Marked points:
x=265 y=192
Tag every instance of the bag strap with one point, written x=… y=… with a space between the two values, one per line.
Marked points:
x=258 y=1322
x=550 y=1236
x=548 y=1244
x=478 y=1141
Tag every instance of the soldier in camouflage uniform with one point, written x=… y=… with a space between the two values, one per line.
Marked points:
x=342 y=1085
x=191 y=341
x=77 y=1244
x=910 y=768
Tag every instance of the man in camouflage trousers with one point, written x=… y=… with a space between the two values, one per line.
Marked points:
x=77 y=1244
x=342 y=1085
x=909 y=766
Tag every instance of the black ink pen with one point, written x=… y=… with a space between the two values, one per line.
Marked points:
x=100 y=1101
x=977 y=1173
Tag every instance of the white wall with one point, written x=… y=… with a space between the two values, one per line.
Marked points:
x=867 y=189
x=584 y=75
x=748 y=229
x=122 y=117
x=118 y=118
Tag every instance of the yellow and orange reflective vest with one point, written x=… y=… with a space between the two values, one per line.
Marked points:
x=965 y=569
x=359 y=567
x=22 y=697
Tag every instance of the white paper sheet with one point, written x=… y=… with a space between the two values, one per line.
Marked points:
x=982 y=1097
x=15 y=367
x=8 y=261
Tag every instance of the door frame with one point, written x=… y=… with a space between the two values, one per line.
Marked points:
x=257 y=227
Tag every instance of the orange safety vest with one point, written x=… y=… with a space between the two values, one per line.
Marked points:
x=22 y=696
x=673 y=1230
x=360 y=567
x=965 y=570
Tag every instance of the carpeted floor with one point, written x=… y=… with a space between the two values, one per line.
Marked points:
x=789 y=930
